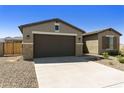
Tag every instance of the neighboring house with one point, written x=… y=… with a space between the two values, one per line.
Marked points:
x=13 y=39
x=56 y=37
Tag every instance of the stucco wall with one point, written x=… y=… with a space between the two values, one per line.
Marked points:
x=48 y=27
x=1 y=49
x=91 y=44
x=27 y=51
x=100 y=35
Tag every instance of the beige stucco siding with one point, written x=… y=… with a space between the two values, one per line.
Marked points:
x=91 y=44
x=48 y=27
x=27 y=51
x=100 y=35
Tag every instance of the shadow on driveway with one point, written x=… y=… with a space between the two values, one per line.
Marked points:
x=69 y=59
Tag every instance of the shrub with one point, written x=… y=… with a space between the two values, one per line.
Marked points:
x=105 y=55
x=113 y=52
x=122 y=51
x=120 y=59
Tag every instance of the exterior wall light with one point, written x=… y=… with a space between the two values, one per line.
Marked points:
x=27 y=36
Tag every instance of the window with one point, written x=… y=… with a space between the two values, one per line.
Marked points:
x=108 y=42
x=57 y=28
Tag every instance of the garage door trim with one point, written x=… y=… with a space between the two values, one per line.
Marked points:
x=53 y=33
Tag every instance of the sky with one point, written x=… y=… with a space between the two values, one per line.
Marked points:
x=89 y=18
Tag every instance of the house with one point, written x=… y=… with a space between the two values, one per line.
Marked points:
x=55 y=37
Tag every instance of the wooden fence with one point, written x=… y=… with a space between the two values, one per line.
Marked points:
x=12 y=48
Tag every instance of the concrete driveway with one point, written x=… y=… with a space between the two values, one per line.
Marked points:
x=76 y=72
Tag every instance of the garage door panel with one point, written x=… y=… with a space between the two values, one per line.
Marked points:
x=53 y=45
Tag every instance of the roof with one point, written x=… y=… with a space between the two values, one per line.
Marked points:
x=13 y=38
x=54 y=19
x=99 y=31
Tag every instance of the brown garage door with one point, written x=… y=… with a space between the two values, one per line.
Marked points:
x=53 y=45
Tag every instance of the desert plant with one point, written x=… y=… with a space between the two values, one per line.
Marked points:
x=122 y=51
x=112 y=52
x=105 y=55
x=118 y=56
x=120 y=59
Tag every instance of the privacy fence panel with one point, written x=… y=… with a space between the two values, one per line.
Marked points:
x=12 y=48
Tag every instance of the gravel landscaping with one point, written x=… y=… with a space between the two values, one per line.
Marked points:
x=17 y=74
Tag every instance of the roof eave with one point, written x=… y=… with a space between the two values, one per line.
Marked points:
x=115 y=31
x=20 y=28
x=89 y=34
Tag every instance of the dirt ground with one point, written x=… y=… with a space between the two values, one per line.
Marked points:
x=113 y=62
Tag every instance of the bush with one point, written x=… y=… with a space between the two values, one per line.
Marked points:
x=105 y=55
x=120 y=59
x=122 y=51
x=113 y=52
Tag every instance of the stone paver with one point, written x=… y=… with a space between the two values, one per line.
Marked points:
x=76 y=74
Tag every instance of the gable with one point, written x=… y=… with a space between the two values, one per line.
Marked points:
x=109 y=32
x=49 y=25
